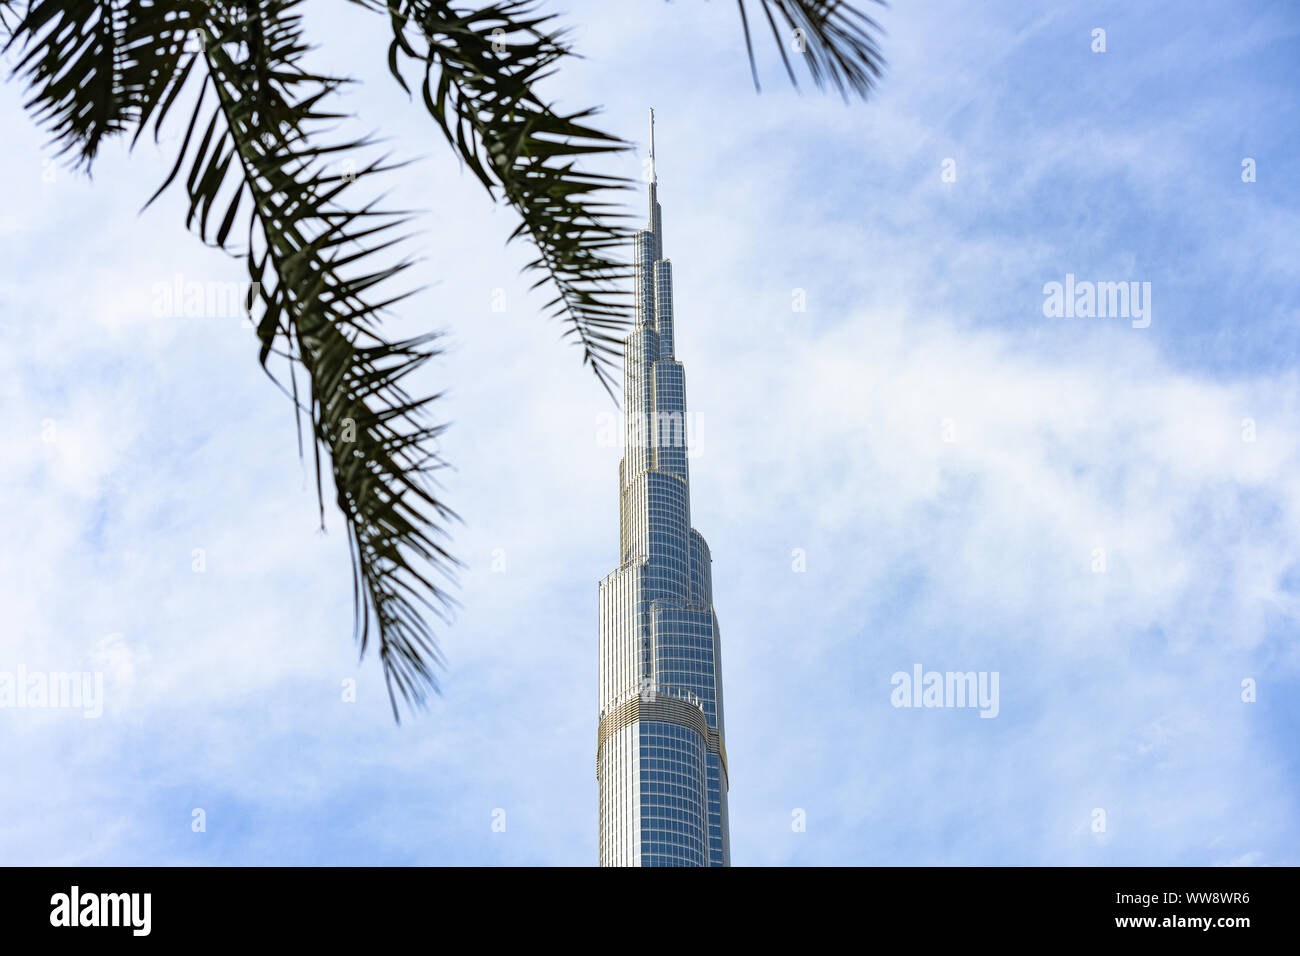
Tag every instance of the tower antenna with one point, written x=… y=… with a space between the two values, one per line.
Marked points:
x=654 y=174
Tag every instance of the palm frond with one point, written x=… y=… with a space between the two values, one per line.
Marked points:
x=480 y=72
x=253 y=148
x=323 y=303
x=834 y=38
x=72 y=61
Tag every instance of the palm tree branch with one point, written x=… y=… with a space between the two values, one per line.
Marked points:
x=254 y=151
x=481 y=68
x=835 y=39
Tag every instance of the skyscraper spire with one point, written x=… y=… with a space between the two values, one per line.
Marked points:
x=655 y=226
x=654 y=175
x=661 y=759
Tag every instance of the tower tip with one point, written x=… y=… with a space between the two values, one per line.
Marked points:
x=654 y=175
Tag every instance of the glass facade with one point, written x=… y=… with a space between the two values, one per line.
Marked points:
x=661 y=762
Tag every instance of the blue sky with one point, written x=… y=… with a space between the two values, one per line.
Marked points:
x=822 y=430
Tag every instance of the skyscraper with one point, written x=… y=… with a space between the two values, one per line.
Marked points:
x=660 y=758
